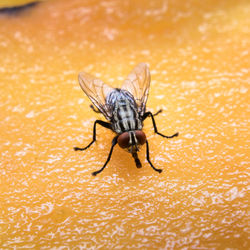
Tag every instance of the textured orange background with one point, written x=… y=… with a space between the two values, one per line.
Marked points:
x=198 y=52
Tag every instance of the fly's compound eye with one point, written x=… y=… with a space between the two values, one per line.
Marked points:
x=123 y=140
x=140 y=136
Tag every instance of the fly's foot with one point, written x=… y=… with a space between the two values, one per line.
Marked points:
x=95 y=173
x=158 y=170
x=78 y=149
x=158 y=112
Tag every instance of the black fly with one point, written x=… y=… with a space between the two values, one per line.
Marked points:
x=125 y=109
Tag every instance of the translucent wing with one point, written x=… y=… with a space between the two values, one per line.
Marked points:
x=137 y=83
x=97 y=92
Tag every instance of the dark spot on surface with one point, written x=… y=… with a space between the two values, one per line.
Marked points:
x=15 y=10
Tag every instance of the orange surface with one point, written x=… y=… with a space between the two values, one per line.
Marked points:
x=198 y=52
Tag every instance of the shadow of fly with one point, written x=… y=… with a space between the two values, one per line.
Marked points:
x=125 y=110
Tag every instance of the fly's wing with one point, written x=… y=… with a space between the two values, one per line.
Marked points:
x=97 y=92
x=137 y=83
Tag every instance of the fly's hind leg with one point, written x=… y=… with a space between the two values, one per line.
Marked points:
x=94 y=109
x=157 y=113
x=102 y=123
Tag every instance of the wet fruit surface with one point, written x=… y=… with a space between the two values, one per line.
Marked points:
x=199 y=60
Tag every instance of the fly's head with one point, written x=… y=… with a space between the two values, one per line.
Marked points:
x=131 y=140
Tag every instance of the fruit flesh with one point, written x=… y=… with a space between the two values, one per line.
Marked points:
x=199 y=60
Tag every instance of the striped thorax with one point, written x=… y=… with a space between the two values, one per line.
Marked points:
x=125 y=116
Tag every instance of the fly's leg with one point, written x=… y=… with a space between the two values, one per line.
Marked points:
x=158 y=112
x=154 y=124
x=114 y=142
x=102 y=123
x=94 y=109
x=148 y=159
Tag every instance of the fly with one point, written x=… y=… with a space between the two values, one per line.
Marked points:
x=125 y=110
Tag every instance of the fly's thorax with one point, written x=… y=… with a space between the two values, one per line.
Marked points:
x=119 y=95
x=125 y=116
x=126 y=124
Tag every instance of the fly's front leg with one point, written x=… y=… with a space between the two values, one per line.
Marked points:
x=148 y=159
x=102 y=123
x=154 y=124
x=114 y=142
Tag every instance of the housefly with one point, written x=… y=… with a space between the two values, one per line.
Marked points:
x=125 y=110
